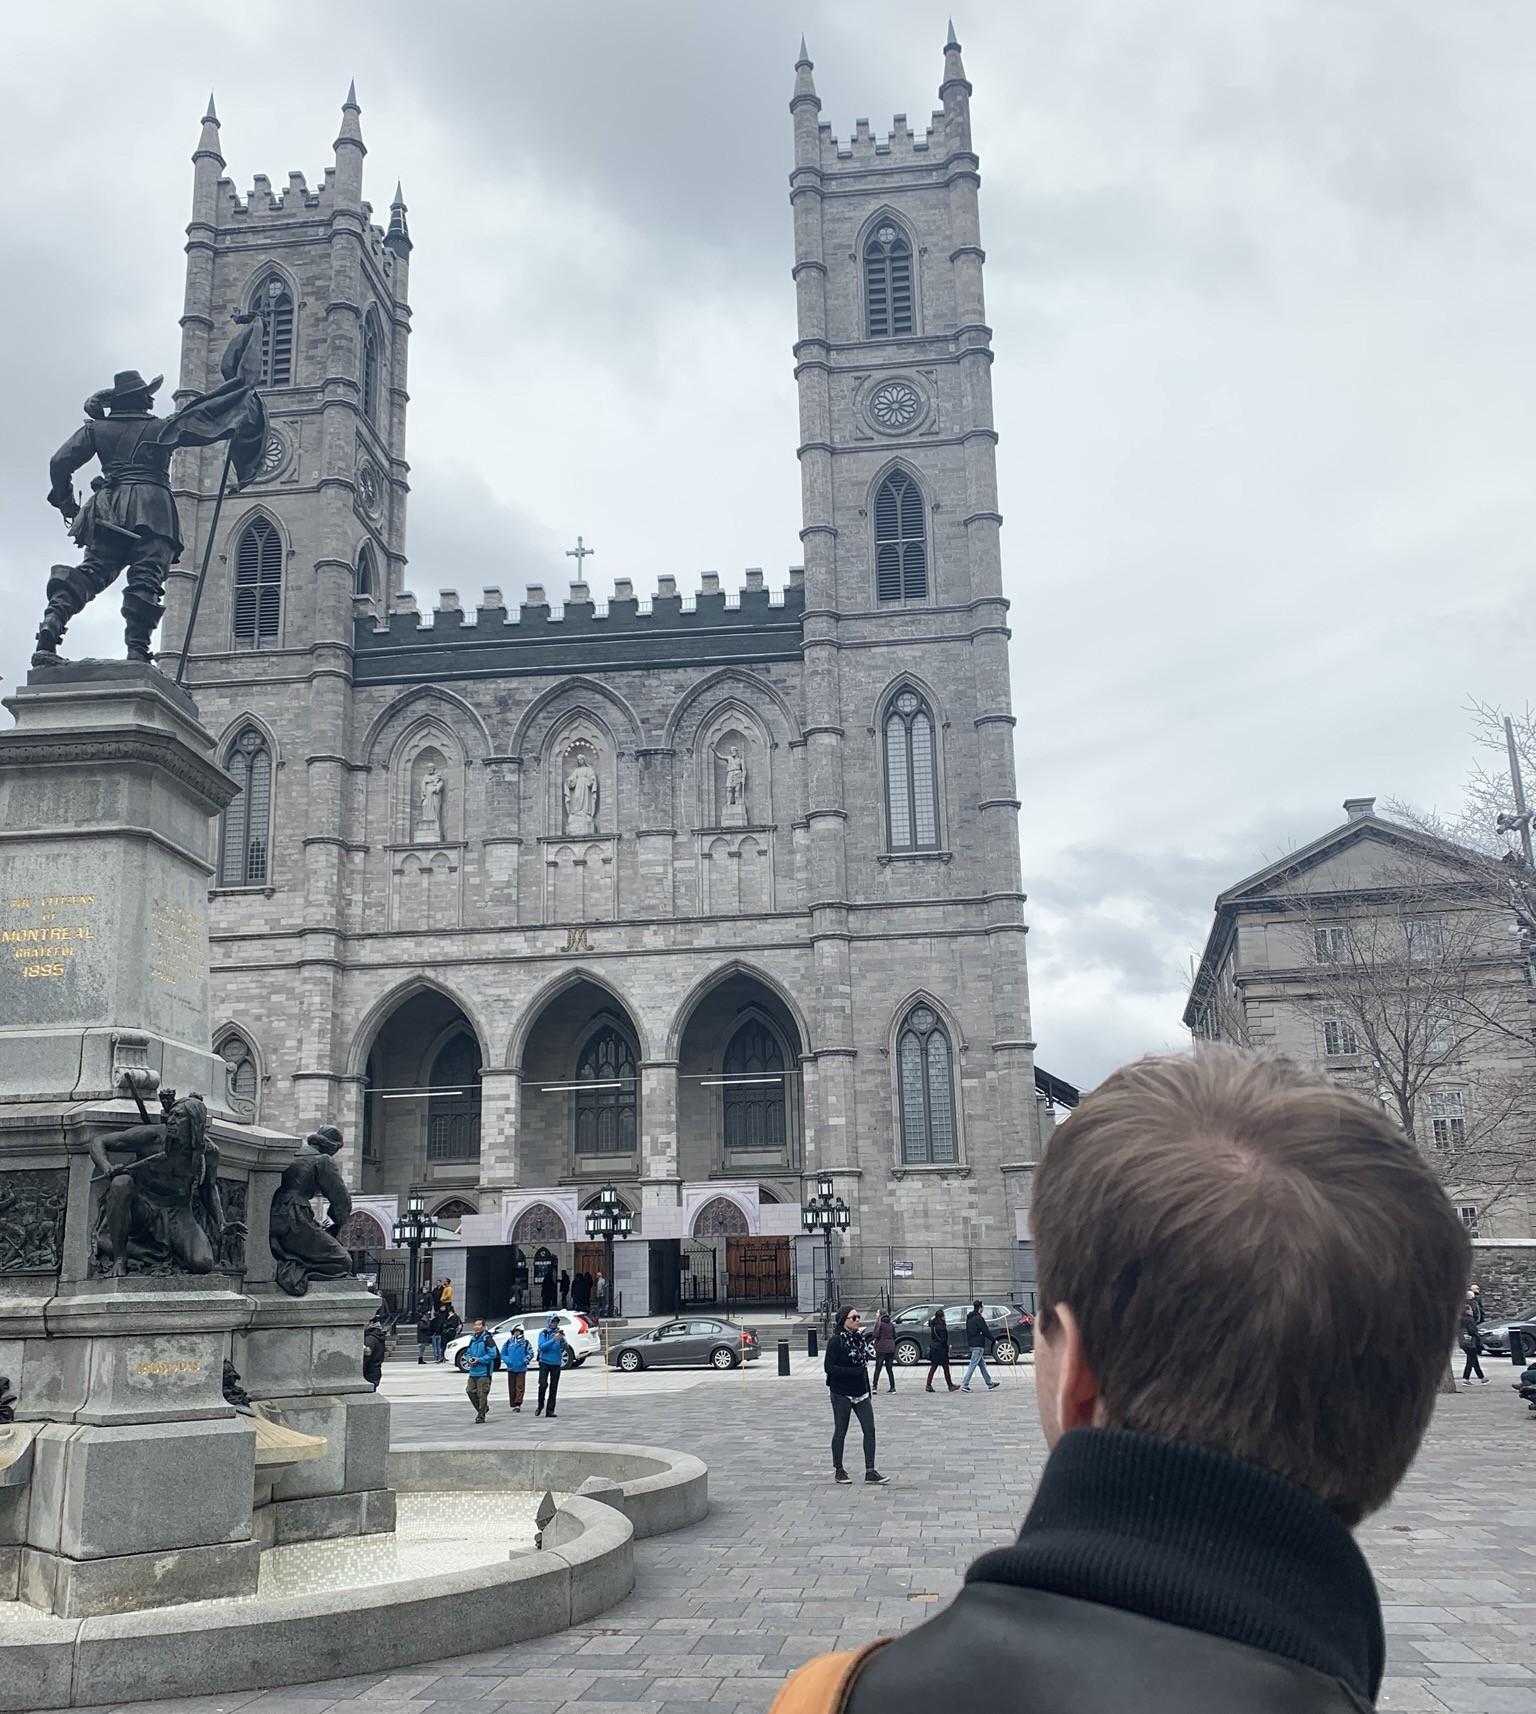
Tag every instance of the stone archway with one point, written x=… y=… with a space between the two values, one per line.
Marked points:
x=421 y=1126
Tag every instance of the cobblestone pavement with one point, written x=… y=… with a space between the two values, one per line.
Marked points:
x=787 y=1565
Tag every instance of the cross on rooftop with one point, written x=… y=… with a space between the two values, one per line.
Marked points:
x=579 y=553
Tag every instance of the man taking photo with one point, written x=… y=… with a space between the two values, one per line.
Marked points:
x=1218 y=1423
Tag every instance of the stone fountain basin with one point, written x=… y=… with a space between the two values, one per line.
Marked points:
x=211 y=1647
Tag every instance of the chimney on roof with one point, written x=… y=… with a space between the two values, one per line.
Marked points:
x=1358 y=808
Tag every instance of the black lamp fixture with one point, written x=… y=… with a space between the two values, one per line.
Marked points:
x=826 y=1212
x=415 y=1231
x=608 y=1218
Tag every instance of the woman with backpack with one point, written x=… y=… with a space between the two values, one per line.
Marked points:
x=1471 y=1342
x=938 y=1349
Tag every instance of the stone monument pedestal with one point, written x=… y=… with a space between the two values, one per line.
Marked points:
x=138 y=1484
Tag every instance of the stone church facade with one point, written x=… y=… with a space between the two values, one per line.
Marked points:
x=702 y=895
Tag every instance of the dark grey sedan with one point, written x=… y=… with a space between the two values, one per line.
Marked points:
x=700 y=1342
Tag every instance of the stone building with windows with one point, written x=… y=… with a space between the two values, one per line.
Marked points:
x=697 y=895
x=1390 y=959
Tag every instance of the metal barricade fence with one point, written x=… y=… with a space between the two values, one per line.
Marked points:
x=888 y=1276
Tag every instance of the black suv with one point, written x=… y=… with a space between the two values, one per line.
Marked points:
x=1011 y=1331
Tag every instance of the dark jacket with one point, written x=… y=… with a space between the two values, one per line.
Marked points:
x=1468 y=1336
x=1149 y=1575
x=976 y=1329
x=938 y=1340
x=885 y=1337
x=844 y=1366
x=373 y=1353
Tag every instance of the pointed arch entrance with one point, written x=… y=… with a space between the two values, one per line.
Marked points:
x=421 y=1115
x=581 y=1088
x=738 y=1082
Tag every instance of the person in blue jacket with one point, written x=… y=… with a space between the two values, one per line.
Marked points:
x=480 y=1360
x=551 y=1359
x=516 y=1355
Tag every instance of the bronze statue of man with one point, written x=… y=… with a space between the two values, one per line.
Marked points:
x=129 y=520
x=160 y=1204
x=303 y=1249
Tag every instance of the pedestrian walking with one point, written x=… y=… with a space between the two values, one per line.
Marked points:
x=848 y=1383
x=480 y=1360
x=551 y=1363
x=424 y=1319
x=565 y=1289
x=516 y=1355
x=976 y=1337
x=885 y=1349
x=1189 y=1546
x=439 y=1332
x=1471 y=1342
x=1475 y=1298
x=938 y=1350
x=373 y=1352
x=547 y=1288
x=600 y=1296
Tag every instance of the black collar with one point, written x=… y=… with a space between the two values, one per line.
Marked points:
x=1198 y=1539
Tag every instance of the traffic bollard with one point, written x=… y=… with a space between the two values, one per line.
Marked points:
x=783 y=1356
x=810 y=1342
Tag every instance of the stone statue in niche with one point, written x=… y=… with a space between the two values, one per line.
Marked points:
x=158 y=1203
x=429 y=808
x=303 y=1249
x=580 y=791
x=733 y=788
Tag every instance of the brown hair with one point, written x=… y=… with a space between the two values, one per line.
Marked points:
x=1259 y=1262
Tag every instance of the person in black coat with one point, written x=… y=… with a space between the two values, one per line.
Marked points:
x=547 y=1290
x=373 y=1353
x=565 y=1289
x=938 y=1350
x=1471 y=1343
x=848 y=1383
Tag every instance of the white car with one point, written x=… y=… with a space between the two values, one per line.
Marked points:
x=582 y=1340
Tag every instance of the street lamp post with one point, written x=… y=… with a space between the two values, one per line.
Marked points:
x=414 y=1231
x=609 y=1218
x=826 y=1213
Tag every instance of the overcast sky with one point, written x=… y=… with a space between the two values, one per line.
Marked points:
x=1262 y=279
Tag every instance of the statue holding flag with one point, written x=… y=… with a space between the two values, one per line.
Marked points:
x=128 y=522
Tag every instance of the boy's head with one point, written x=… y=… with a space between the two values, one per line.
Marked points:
x=1233 y=1255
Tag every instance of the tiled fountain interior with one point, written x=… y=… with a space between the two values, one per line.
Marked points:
x=434 y=1533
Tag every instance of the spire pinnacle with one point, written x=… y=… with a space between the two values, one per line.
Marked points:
x=351 y=131
x=351 y=100
x=398 y=239
x=208 y=138
x=805 y=84
x=954 y=70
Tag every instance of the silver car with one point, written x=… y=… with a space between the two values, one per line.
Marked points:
x=698 y=1342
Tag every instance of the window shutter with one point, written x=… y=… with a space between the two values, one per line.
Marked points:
x=258 y=582
x=901 y=554
x=276 y=335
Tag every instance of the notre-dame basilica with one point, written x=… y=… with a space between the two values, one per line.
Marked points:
x=701 y=895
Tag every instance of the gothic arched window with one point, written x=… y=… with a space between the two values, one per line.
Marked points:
x=273 y=298
x=606 y=1103
x=246 y=831
x=887 y=283
x=236 y=1053
x=926 y=1085
x=720 y=1218
x=901 y=540
x=258 y=581
x=753 y=1073
x=367 y=583
x=371 y=344
x=453 y=1110
x=911 y=774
